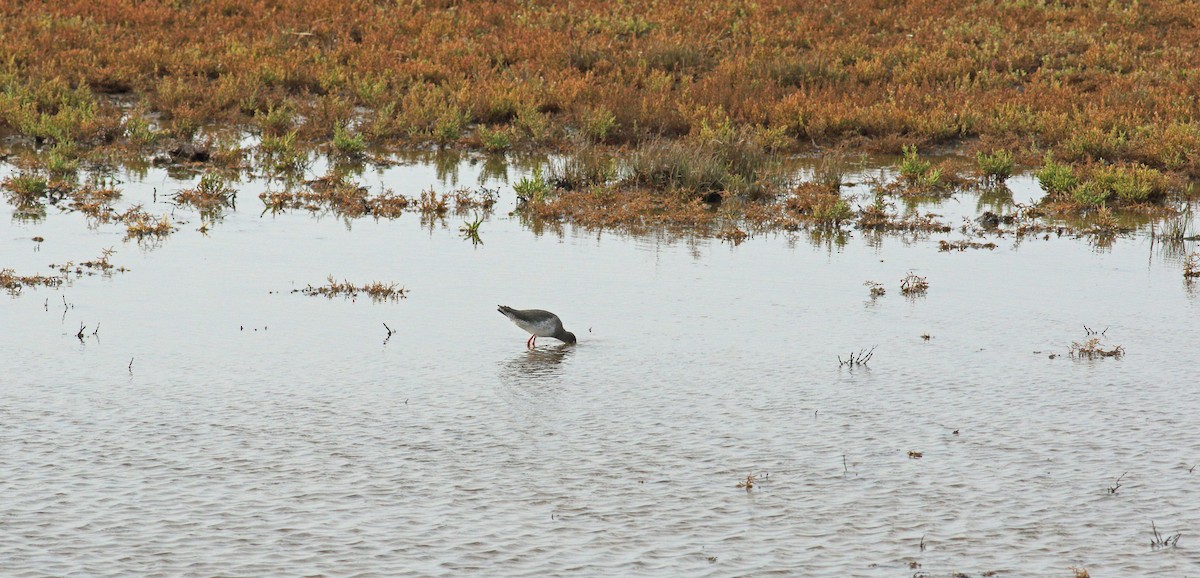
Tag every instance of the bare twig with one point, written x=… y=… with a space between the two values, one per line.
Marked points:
x=1161 y=542
x=859 y=358
x=1117 y=485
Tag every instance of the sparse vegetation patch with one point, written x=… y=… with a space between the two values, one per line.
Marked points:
x=377 y=291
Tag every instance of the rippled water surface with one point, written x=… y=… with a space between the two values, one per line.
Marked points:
x=218 y=424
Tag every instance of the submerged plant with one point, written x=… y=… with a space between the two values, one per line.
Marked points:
x=470 y=230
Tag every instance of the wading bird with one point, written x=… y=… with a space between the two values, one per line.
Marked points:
x=539 y=323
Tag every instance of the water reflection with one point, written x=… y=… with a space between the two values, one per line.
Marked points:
x=997 y=199
x=494 y=168
x=536 y=365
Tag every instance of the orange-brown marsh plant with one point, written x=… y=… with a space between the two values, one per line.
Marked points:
x=1073 y=78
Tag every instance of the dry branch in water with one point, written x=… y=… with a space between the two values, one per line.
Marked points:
x=1160 y=542
x=859 y=358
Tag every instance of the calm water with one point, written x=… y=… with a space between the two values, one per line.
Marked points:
x=218 y=424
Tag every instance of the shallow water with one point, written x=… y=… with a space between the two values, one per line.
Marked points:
x=219 y=424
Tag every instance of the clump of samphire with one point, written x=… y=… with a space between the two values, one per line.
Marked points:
x=912 y=284
x=140 y=224
x=376 y=290
x=1093 y=348
x=13 y=283
x=210 y=196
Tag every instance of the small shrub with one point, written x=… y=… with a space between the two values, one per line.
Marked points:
x=912 y=167
x=598 y=124
x=494 y=141
x=275 y=121
x=995 y=167
x=1138 y=184
x=139 y=132
x=532 y=189
x=1058 y=180
x=26 y=188
x=449 y=125
x=1091 y=194
x=832 y=211
x=348 y=143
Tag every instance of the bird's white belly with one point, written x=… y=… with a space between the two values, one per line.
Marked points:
x=540 y=329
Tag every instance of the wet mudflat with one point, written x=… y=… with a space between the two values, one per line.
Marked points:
x=208 y=420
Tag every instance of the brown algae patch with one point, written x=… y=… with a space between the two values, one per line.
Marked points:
x=377 y=291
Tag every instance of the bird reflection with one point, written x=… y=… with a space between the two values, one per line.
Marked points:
x=540 y=363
